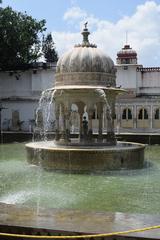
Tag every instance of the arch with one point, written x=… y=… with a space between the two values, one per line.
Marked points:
x=95 y=113
x=140 y=114
x=157 y=114
x=143 y=114
x=127 y=114
x=156 y=117
x=124 y=114
x=74 y=118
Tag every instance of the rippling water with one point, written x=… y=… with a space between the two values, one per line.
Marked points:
x=135 y=191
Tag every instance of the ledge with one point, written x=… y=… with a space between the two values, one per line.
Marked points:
x=17 y=219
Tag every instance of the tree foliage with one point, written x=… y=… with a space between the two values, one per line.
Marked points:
x=48 y=49
x=19 y=38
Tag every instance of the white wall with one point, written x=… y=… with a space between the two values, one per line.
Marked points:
x=22 y=94
x=26 y=113
x=25 y=84
x=10 y=86
x=127 y=76
x=149 y=83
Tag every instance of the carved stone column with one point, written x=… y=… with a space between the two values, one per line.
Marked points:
x=111 y=140
x=100 y=118
x=57 y=113
x=134 y=116
x=67 y=114
x=90 y=129
x=81 y=112
x=63 y=127
x=109 y=121
x=118 y=115
x=151 y=116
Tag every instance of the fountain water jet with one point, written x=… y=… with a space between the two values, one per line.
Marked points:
x=85 y=77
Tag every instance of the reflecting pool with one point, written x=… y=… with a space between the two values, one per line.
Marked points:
x=134 y=191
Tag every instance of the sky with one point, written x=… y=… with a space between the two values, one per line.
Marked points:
x=108 y=23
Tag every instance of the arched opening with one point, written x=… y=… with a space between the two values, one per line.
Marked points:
x=74 y=119
x=95 y=119
x=127 y=119
x=127 y=114
x=143 y=119
x=143 y=114
x=157 y=114
x=124 y=114
x=156 y=118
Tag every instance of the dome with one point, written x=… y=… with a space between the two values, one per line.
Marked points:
x=127 y=51
x=85 y=59
x=85 y=64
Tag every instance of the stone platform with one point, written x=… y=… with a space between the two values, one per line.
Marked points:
x=24 y=220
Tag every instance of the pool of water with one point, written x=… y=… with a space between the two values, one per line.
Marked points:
x=134 y=191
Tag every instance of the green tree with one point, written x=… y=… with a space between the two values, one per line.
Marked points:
x=48 y=49
x=19 y=38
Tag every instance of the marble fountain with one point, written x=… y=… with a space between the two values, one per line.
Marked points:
x=86 y=77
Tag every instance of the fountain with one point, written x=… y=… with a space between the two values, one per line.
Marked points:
x=87 y=78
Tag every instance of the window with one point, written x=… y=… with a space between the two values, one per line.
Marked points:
x=125 y=67
x=127 y=114
x=140 y=114
x=127 y=61
x=143 y=114
x=94 y=115
x=157 y=113
x=124 y=114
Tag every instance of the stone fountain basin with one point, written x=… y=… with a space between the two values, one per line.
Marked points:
x=84 y=159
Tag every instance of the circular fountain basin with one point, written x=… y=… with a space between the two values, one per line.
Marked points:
x=125 y=155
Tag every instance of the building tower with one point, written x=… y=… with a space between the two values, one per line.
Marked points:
x=126 y=66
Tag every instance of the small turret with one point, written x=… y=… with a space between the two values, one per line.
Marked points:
x=127 y=55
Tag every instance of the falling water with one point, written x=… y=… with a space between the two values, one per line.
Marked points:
x=38 y=111
x=50 y=105
x=45 y=108
x=101 y=93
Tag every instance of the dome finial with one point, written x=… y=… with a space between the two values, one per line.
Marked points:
x=85 y=34
x=85 y=25
x=85 y=42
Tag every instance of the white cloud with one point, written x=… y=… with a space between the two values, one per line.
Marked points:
x=65 y=40
x=143 y=32
x=74 y=13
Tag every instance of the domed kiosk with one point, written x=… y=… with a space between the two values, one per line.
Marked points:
x=85 y=76
x=127 y=55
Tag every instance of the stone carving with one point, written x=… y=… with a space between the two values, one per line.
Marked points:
x=86 y=78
